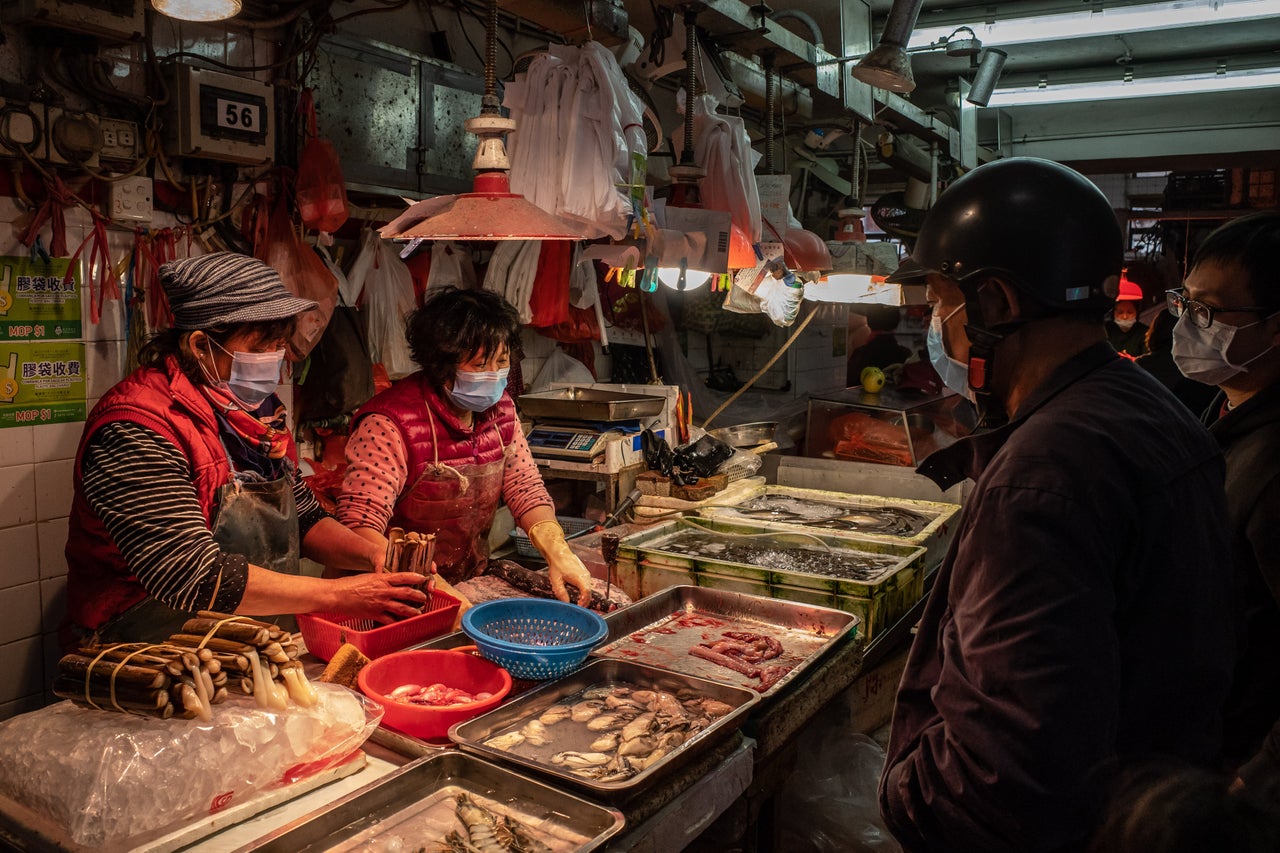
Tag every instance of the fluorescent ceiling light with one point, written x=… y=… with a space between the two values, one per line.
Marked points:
x=1119 y=20
x=1103 y=90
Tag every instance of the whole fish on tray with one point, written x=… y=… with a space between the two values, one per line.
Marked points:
x=889 y=520
x=762 y=550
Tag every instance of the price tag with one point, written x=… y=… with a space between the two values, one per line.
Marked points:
x=234 y=115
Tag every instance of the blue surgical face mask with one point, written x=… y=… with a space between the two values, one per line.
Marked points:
x=479 y=390
x=954 y=373
x=254 y=375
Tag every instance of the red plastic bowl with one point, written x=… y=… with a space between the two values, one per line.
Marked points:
x=459 y=669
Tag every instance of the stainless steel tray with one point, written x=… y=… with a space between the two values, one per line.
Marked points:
x=589 y=404
x=413 y=808
x=473 y=734
x=656 y=631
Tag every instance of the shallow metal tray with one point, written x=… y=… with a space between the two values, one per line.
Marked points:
x=413 y=808
x=652 y=632
x=472 y=734
x=589 y=404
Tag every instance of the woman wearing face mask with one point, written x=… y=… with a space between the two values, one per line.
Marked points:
x=187 y=495
x=1126 y=334
x=436 y=451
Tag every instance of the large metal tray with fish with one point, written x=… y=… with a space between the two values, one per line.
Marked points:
x=418 y=807
x=726 y=636
x=876 y=580
x=924 y=523
x=589 y=404
x=611 y=728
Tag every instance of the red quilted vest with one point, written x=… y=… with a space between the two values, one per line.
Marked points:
x=100 y=584
x=405 y=404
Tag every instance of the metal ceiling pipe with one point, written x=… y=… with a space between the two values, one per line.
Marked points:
x=815 y=32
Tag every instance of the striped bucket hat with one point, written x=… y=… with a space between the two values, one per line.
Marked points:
x=226 y=287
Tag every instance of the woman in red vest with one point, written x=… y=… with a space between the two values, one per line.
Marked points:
x=187 y=495
x=435 y=452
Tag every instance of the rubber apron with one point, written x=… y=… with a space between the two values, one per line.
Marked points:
x=457 y=504
x=258 y=519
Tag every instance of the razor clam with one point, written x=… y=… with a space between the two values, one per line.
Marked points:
x=536 y=733
x=505 y=742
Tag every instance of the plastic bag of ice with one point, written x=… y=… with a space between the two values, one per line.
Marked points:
x=108 y=779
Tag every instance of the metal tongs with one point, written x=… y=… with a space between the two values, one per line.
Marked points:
x=411 y=552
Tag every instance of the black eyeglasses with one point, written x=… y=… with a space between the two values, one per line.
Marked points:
x=1201 y=314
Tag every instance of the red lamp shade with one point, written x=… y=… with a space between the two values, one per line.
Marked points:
x=805 y=251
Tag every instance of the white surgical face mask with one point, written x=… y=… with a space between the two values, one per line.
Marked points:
x=254 y=375
x=478 y=390
x=954 y=373
x=1126 y=325
x=1201 y=354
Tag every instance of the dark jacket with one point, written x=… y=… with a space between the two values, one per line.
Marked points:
x=1079 y=618
x=1250 y=439
x=1132 y=342
x=1196 y=396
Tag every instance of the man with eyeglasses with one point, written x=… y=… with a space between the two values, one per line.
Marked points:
x=1228 y=335
x=1080 y=618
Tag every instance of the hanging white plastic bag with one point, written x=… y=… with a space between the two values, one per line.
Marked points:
x=561 y=367
x=451 y=266
x=388 y=301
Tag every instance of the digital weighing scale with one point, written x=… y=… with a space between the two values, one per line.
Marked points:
x=578 y=442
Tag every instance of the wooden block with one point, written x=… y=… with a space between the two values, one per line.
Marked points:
x=701 y=490
x=653 y=483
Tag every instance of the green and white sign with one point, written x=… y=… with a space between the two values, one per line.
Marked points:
x=41 y=383
x=38 y=300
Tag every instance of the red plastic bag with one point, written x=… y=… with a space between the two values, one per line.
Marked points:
x=305 y=275
x=321 y=189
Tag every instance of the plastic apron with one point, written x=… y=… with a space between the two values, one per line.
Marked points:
x=258 y=519
x=458 y=505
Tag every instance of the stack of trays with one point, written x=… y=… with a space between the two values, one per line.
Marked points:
x=876 y=580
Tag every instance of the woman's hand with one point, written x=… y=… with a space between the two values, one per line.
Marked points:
x=385 y=597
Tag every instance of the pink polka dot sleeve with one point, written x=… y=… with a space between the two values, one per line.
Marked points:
x=522 y=486
x=377 y=468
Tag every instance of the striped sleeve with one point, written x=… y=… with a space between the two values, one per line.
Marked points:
x=140 y=485
x=522 y=486
x=310 y=512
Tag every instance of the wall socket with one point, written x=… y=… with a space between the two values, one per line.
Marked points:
x=130 y=199
x=120 y=140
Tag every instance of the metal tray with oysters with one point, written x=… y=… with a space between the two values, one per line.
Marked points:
x=611 y=727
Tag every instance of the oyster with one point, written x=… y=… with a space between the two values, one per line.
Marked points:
x=505 y=742
x=583 y=711
x=536 y=733
x=554 y=714
x=605 y=743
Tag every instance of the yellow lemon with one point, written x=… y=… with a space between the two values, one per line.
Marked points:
x=872 y=379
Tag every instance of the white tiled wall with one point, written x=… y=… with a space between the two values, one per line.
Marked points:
x=35 y=496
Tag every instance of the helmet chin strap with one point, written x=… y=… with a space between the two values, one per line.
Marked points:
x=982 y=360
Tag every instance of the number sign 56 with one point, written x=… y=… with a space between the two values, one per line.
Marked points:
x=238 y=116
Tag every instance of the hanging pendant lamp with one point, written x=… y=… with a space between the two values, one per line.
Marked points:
x=491 y=211
x=888 y=66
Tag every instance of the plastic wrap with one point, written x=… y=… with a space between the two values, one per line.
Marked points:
x=106 y=778
x=386 y=286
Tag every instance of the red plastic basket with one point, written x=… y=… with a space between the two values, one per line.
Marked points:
x=324 y=633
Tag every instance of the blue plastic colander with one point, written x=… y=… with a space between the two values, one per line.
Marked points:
x=534 y=638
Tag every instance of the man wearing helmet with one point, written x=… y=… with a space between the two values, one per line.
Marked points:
x=1077 y=620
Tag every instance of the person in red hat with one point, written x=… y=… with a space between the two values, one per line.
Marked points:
x=1126 y=333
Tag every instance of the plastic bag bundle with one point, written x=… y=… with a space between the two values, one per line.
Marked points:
x=386 y=288
x=512 y=272
x=106 y=779
x=578 y=125
x=304 y=273
x=451 y=266
x=722 y=147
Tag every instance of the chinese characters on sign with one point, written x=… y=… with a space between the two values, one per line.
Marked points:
x=41 y=359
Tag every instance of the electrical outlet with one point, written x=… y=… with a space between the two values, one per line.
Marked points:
x=130 y=199
x=119 y=140
x=19 y=127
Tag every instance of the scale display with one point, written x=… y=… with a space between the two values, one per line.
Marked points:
x=566 y=442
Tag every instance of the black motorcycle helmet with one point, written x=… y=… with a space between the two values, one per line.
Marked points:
x=1042 y=227
x=1038 y=224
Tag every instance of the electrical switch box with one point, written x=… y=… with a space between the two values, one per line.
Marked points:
x=122 y=20
x=20 y=127
x=130 y=199
x=220 y=117
x=71 y=138
x=120 y=140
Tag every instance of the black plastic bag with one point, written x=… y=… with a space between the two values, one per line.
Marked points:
x=703 y=457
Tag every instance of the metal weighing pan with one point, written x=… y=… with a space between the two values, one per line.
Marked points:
x=415 y=807
x=473 y=734
x=589 y=404
x=658 y=631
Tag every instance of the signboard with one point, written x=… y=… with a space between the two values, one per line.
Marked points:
x=38 y=300
x=41 y=383
x=775 y=205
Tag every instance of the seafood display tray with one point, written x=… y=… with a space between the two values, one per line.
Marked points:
x=804 y=570
x=934 y=537
x=414 y=808
x=651 y=632
x=589 y=404
x=473 y=734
